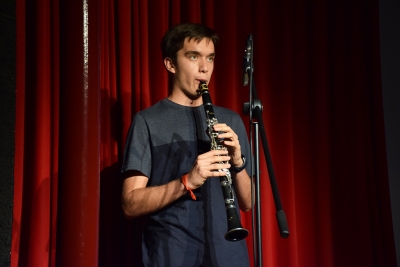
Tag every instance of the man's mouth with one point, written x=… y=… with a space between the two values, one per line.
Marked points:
x=199 y=81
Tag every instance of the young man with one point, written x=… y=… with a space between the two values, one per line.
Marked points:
x=167 y=156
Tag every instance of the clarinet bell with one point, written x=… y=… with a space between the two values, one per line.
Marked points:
x=235 y=230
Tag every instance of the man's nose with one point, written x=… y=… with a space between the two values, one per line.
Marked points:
x=203 y=66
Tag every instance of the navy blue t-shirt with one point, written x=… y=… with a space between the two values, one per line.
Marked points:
x=163 y=143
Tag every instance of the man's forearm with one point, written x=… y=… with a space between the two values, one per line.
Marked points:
x=142 y=201
x=242 y=184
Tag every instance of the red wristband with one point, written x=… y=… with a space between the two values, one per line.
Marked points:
x=184 y=182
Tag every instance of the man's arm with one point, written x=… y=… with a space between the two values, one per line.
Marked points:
x=138 y=200
x=242 y=183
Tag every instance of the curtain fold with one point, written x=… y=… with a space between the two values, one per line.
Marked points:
x=79 y=152
x=36 y=160
x=317 y=73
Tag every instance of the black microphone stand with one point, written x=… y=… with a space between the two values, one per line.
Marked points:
x=253 y=108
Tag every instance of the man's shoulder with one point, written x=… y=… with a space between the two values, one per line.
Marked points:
x=161 y=113
x=222 y=111
x=154 y=110
x=158 y=105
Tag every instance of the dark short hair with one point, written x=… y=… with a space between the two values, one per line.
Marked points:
x=174 y=38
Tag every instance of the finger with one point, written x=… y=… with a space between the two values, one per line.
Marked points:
x=216 y=154
x=215 y=164
x=219 y=125
x=218 y=166
x=217 y=173
x=222 y=129
x=213 y=153
x=220 y=158
x=227 y=135
x=230 y=143
x=212 y=170
x=213 y=156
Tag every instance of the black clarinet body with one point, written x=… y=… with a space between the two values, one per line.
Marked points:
x=235 y=230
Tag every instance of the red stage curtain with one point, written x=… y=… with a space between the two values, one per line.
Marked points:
x=80 y=79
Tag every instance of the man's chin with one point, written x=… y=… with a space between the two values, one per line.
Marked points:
x=194 y=97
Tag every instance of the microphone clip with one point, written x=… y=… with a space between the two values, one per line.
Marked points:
x=247 y=60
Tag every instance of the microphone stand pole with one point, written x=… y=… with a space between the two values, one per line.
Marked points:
x=254 y=109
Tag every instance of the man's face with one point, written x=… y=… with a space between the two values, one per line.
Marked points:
x=194 y=63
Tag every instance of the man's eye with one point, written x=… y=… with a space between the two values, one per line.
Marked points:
x=210 y=58
x=193 y=57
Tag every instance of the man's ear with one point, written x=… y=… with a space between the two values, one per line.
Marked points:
x=169 y=65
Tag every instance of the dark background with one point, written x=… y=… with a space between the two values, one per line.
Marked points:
x=7 y=123
x=389 y=13
x=390 y=69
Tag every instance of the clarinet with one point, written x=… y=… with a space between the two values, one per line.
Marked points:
x=235 y=230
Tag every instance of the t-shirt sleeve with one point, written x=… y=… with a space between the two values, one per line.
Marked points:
x=244 y=141
x=137 y=154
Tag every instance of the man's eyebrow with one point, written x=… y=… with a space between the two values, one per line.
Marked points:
x=193 y=52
